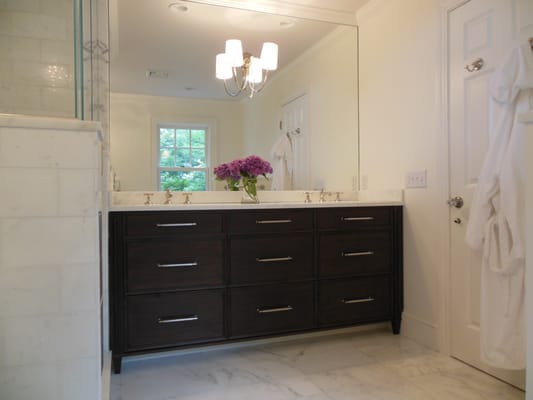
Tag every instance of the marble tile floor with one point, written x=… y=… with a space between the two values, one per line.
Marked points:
x=371 y=365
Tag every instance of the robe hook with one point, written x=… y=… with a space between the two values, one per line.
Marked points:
x=476 y=65
x=295 y=132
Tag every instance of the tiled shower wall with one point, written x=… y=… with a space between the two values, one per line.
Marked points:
x=49 y=259
x=37 y=57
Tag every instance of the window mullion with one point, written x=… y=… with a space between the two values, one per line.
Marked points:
x=174 y=174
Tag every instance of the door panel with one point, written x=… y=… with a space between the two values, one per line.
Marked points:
x=485 y=29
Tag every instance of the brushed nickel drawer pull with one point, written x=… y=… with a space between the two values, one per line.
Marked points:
x=273 y=259
x=357 y=218
x=273 y=310
x=176 y=225
x=353 y=301
x=273 y=221
x=357 y=254
x=178 y=265
x=176 y=320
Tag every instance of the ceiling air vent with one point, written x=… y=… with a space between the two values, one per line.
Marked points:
x=150 y=73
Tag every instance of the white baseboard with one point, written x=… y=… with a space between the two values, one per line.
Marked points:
x=421 y=331
x=106 y=376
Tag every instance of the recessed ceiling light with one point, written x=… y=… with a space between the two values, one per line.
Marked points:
x=178 y=7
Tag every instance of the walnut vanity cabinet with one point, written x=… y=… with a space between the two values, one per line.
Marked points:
x=185 y=278
x=166 y=280
x=271 y=272
x=360 y=266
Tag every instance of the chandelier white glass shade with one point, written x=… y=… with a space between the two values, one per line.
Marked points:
x=242 y=72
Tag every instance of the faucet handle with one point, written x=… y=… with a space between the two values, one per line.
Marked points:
x=338 y=196
x=168 y=197
x=187 y=198
x=307 y=197
x=148 y=201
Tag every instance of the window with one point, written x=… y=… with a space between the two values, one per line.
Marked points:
x=183 y=162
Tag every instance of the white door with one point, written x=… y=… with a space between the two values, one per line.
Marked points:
x=481 y=32
x=294 y=124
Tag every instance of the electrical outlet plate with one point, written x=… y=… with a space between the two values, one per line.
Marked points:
x=416 y=179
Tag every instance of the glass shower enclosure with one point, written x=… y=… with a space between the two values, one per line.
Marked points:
x=55 y=59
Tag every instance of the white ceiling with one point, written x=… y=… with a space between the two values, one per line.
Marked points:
x=146 y=35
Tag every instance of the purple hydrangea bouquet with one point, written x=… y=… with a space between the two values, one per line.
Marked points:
x=247 y=169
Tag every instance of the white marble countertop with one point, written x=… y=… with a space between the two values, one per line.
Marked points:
x=134 y=201
x=248 y=206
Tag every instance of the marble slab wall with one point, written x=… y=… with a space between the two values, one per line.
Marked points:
x=49 y=261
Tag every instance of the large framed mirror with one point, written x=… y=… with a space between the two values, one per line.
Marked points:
x=164 y=90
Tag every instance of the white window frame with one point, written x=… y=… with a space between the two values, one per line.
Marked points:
x=176 y=123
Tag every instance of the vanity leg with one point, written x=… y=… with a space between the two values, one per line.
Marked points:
x=396 y=324
x=116 y=363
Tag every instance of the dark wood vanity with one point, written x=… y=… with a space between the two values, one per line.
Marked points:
x=185 y=278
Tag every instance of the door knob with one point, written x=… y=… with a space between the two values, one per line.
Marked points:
x=456 y=202
x=457 y=221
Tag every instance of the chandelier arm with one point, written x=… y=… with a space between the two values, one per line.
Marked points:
x=230 y=92
x=253 y=90
x=235 y=77
x=244 y=81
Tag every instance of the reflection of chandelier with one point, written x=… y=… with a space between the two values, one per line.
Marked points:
x=245 y=70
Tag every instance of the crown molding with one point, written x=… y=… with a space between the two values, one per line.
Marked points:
x=287 y=9
x=368 y=10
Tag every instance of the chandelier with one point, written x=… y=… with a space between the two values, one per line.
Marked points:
x=242 y=72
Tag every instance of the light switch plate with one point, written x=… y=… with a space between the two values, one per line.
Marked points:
x=416 y=179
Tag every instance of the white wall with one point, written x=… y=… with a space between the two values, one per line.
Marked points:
x=327 y=73
x=132 y=129
x=37 y=57
x=400 y=131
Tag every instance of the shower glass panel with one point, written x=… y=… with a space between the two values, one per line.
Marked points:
x=54 y=58
x=92 y=101
x=37 y=68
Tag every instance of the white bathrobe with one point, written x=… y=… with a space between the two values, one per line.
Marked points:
x=282 y=165
x=497 y=216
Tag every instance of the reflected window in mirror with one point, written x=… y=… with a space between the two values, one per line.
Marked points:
x=183 y=162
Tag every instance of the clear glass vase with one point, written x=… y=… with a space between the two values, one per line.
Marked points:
x=249 y=192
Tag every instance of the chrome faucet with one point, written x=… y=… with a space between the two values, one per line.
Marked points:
x=323 y=195
x=148 y=201
x=168 y=197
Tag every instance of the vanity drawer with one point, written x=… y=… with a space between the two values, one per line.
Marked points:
x=174 y=263
x=271 y=309
x=354 y=253
x=271 y=221
x=279 y=258
x=171 y=319
x=173 y=222
x=353 y=217
x=354 y=300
